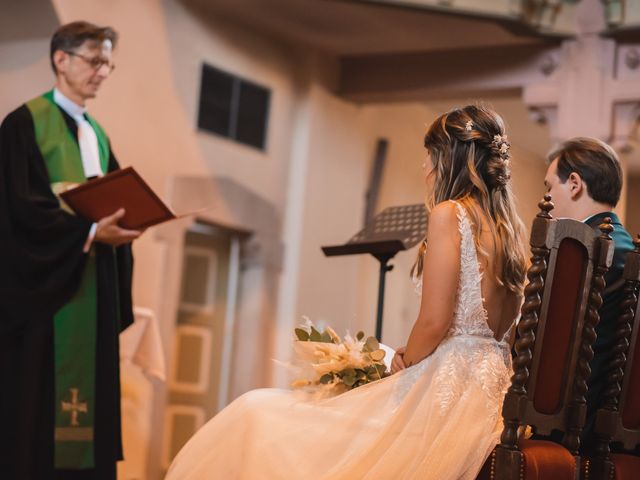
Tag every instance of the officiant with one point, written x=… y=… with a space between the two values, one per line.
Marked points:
x=65 y=282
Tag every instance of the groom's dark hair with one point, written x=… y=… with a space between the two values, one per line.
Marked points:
x=595 y=162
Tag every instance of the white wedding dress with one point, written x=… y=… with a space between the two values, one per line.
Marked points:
x=438 y=419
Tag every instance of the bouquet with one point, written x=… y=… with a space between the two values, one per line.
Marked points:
x=328 y=365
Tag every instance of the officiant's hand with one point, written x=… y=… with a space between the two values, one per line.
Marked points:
x=108 y=231
x=397 y=363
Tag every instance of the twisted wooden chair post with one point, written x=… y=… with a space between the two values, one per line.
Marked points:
x=577 y=410
x=507 y=453
x=601 y=466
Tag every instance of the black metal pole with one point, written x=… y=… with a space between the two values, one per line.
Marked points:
x=384 y=268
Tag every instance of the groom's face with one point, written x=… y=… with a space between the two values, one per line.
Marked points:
x=561 y=192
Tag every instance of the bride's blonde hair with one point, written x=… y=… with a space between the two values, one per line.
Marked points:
x=471 y=163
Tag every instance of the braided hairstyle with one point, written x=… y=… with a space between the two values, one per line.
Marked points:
x=472 y=163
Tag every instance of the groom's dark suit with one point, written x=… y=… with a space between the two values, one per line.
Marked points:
x=611 y=299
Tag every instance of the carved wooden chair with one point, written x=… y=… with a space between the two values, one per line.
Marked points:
x=556 y=332
x=618 y=419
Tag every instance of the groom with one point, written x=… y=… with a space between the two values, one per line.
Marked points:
x=584 y=180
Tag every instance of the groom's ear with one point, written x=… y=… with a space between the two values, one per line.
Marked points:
x=576 y=186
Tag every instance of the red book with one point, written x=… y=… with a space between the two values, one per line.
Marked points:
x=125 y=188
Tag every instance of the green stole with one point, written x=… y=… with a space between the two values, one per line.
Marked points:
x=75 y=323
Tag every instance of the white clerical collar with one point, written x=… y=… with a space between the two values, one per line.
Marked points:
x=68 y=105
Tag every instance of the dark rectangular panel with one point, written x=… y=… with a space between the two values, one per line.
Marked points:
x=253 y=110
x=214 y=111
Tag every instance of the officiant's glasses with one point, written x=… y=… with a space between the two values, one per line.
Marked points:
x=96 y=62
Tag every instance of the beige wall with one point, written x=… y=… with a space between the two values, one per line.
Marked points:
x=339 y=153
x=632 y=222
x=24 y=71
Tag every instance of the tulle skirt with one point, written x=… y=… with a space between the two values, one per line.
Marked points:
x=437 y=420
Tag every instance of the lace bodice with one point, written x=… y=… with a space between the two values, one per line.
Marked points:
x=470 y=316
x=469 y=353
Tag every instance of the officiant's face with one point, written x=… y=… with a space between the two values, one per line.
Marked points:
x=86 y=67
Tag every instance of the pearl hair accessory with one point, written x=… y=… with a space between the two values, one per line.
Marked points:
x=468 y=126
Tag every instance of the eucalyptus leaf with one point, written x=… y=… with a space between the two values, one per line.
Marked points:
x=326 y=338
x=371 y=344
x=326 y=378
x=315 y=335
x=348 y=380
x=302 y=335
x=377 y=355
x=351 y=372
x=381 y=369
x=360 y=335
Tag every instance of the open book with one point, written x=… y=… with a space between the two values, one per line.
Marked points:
x=125 y=188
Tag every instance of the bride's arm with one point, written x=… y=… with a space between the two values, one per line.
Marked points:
x=440 y=273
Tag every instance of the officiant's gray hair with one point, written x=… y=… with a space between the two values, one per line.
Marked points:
x=71 y=36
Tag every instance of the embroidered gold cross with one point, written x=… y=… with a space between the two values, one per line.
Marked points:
x=74 y=407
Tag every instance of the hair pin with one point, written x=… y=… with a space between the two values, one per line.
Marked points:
x=468 y=126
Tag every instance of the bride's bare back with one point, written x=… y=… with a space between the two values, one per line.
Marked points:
x=501 y=304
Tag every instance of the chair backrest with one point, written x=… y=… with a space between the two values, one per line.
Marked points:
x=556 y=332
x=618 y=418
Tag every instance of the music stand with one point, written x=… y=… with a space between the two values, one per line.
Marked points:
x=392 y=230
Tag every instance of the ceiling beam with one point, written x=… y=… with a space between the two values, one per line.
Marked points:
x=535 y=18
x=441 y=74
x=27 y=19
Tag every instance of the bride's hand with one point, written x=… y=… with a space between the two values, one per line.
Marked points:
x=397 y=363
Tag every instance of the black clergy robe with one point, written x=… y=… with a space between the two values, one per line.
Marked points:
x=41 y=264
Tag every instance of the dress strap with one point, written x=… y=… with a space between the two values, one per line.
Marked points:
x=470 y=273
x=464 y=225
x=467 y=244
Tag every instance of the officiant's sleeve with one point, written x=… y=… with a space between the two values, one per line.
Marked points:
x=41 y=257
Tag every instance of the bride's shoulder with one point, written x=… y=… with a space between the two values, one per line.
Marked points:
x=449 y=210
x=443 y=218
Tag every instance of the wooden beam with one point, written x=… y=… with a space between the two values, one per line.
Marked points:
x=417 y=76
x=533 y=20
x=27 y=19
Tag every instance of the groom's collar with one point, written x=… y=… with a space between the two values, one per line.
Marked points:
x=598 y=218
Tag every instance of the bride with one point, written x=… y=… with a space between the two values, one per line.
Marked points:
x=438 y=415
